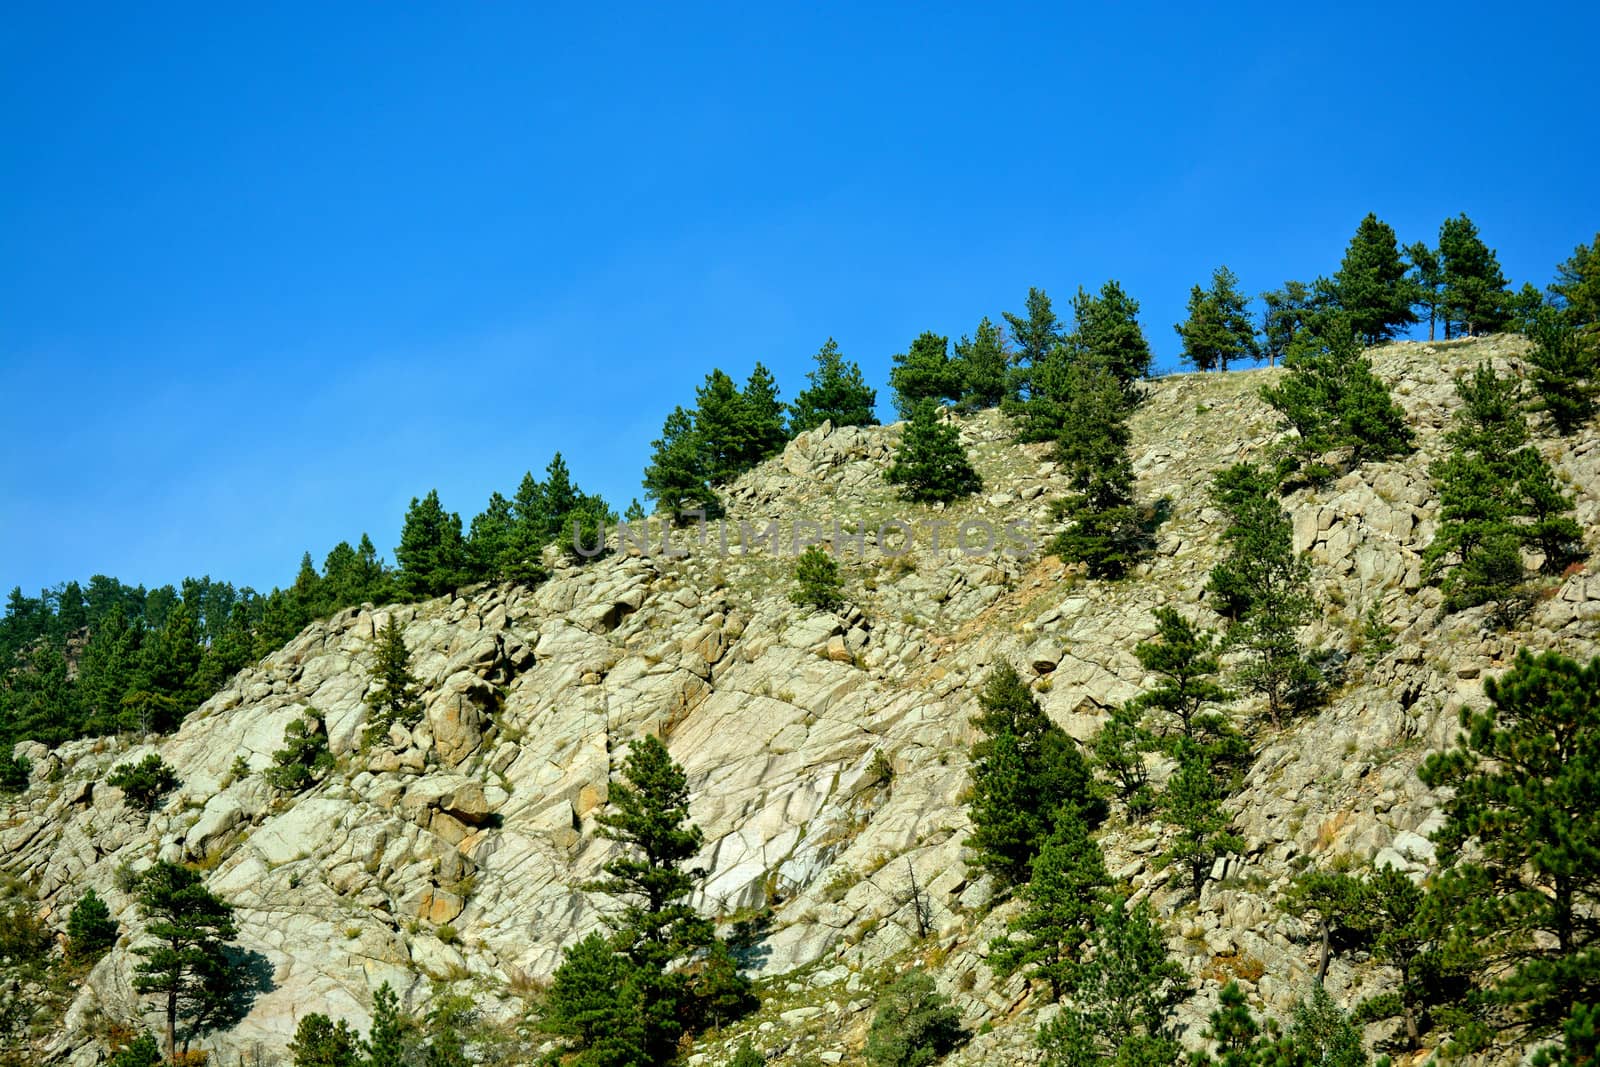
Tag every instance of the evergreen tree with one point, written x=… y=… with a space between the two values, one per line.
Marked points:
x=15 y=773
x=1474 y=296
x=1341 y=905
x=1119 y=746
x=595 y=1002
x=816 y=578
x=1427 y=281
x=982 y=362
x=91 y=931
x=1580 y=1044
x=142 y=1051
x=1192 y=805
x=1185 y=661
x=392 y=1040
x=721 y=423
x=1521 y=836
x=1218 y=330
x=522 y=550
x=1325 y=1035
x=1107 y=332
x=1577 y=286
x=185 y=962
x=321 y=1042
x=489 y=539
x=1412 y=935
x=144 y=783
x=765 y=428
x=1331 y=398
x=395 y=696
x=1371 y=284
x=1036 y=332
x=1104 y=528
x=931 y=463
x=1563 y=372
x=304 y=757
x=746 y=1055
x=678 y=478
x=1496 y=495
x=838 y=394
x=914 y=1025
x=1287 y=312
x=924 y=372
x=1063 y=900
x=432 y=554
x=1024 y=769
x=1524 y=307
x=1123 y=997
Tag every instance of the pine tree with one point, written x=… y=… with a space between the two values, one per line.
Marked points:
x=1331 y=399
x=1063 y=899
x=1218 y=331
x=395 y=696
x=838 y=394
x=144 y=783
x=1036 y=332
x=1325 y=1035
x=432 y=553
x=304 y=757
x=393 y=1038
x=816 y=578
x=1564 y=371
x=1521 y=836
x=1341 y=906
x=1474 y=293
x=1371 y=283
x=1119 y=746
x=746 y=1055
x=1104 y=528
x=914 y=1025
x=1185 y=661
x=1577 y=286
x=1192 y=805
x=321 y=1042
x=931 y=463
x=1123 y=997
x=1024 y=769
x=1107 y=332
x=924 y=372
x=1287 y=312
x=982 y=362
x=1580 y=1040
x=1413 y=935
x=91 y=931
x=489 y=539
x=594 y=1002
x=185 y=962
x=142 y=1051
x=1427 y=281
x=765 y=429
x=678 y=478
x=721 y=423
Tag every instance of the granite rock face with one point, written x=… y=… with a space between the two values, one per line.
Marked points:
x=454 y=853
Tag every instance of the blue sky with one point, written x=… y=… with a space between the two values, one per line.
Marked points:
x=266 y=275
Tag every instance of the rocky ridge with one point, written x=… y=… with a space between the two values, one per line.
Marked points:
x=826 y=753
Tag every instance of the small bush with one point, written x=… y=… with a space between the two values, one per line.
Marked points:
x=144 y=783
x=304 y=757
x=915 y=1025
x=447 y=934
x=817 y=583
x=141 y=1052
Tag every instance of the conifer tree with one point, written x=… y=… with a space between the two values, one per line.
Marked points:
x=1580 y=1040
x=1287 y=312
x=321 y=1042
x=1024 y=769
x=432 y=553
x=91 y=931
x=1122 y=998
x=1107 y=332
x=1576 y=289
x=1563 y=371
x=1104 y=528
x=1520 y=833
x=304 y=757
x=765 y=429
x=838 y=394
x=395 y=697
x=1331 y=398
x=393 y=1037
x=1427 y=281
x=1218 y=330
x=489 y=539
x=678 y=478
x=982 y=361
x=1185 y=661
x=931 y=463
x=595 y=1002
x=1063 y=898
x=924 y=372
x=1192 y=805
x=721 y=422
x=1339 y=902
x=914 y=1025
x=185 y=962
x=816 y=578
x=1474 y=293
x=144 y=783
x=1371 y=283
x=1119 y=746
x=1412 y=934
x=1036 y=332
x=142 y=1051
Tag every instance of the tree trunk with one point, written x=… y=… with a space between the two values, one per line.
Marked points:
x=1432 y=315
x=1322 y=957
x=172 y=1024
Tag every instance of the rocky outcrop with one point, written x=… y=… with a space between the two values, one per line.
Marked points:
x=455 y=852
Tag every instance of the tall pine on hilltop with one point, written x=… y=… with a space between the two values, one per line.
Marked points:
x=931 y=464
x=1371 y=284
x=432 y=553
x=1218 y=330
x=924 y=372
x=838 y=393
x=1475 y=298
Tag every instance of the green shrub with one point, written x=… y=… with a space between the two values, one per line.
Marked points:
x=141 y=1052
x=14 y=773
x=91 y=931
x=817 y=582
x=914 y=1026
x=143 y=784
x=304 y=757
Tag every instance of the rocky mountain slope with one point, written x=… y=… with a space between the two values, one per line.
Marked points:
x=453 y=855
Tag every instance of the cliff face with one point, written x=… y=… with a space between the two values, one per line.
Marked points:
x=453 y=855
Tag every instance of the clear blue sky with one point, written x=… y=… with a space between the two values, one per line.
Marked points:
x=267 y=274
